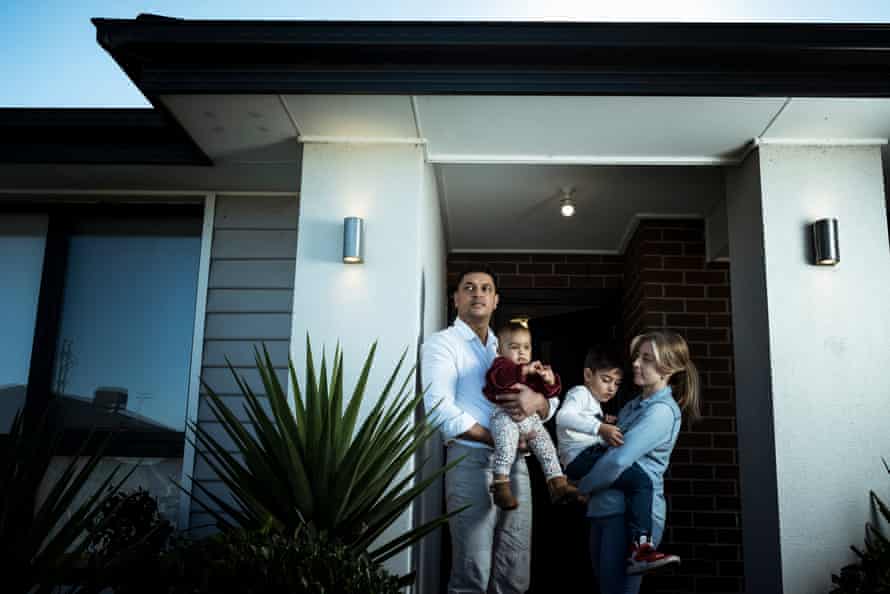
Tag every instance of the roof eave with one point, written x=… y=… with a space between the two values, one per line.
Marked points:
x=173 y=56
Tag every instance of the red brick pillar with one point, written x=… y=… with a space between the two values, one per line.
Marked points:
x=668 y=285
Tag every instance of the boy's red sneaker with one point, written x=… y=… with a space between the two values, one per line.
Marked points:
x=645 y=558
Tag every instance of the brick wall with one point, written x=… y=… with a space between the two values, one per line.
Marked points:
x=544 y=271
x=669 y=285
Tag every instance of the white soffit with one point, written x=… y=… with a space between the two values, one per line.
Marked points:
x=516 y=207
x=237 y=128
x=831 y=119
x=353 y=116
x=643 y=130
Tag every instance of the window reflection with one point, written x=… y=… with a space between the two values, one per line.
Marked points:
x=22 y=244
x=125 y=335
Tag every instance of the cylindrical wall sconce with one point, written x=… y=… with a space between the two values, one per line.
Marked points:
x=826 y=250
x=353 y=240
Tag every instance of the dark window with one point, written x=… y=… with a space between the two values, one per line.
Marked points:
x=22 y=243
x=114 y=324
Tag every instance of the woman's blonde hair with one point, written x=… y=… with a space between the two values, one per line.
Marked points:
x=672 y=357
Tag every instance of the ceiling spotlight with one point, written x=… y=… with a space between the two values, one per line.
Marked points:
x=566 y=204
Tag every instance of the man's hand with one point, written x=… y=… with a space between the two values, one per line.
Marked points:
x=611 y=434
x=611 y=419
x=523 y=403
x=477 y=433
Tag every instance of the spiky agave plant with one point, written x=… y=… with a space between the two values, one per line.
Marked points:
x=308 y=466
x=871 y=572
x=40 y=540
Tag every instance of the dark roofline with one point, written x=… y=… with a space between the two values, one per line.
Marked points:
x=164 y=55
x=95 y=136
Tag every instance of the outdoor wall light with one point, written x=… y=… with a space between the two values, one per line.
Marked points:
x=566 y=203
x=825 y=242
x=353 y=240
x=567 y=207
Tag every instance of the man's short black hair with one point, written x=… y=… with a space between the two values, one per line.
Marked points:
x=482 y=268
x=602 y=358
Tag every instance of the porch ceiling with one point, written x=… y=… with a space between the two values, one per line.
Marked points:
x=501 y=160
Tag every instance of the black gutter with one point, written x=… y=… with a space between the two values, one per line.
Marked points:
x=95 y=136
x=164 y=55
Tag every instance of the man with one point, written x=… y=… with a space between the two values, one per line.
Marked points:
x=491 y=548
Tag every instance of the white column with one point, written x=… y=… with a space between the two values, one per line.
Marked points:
x=812 y=346
x=383 y=298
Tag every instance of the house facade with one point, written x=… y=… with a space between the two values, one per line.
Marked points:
x=141 y=248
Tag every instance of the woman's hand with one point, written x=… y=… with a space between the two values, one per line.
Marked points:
x=611 y=434
x=523 y=403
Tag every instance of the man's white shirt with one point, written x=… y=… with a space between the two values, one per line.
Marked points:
x=452 y=368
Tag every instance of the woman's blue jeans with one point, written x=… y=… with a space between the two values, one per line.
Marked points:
x=609 y=548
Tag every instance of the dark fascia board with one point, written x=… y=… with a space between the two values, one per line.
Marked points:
x=169 y=56
x=95 y=136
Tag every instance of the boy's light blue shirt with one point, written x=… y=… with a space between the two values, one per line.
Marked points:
x=650 y=428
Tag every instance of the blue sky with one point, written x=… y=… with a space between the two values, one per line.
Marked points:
x=49 y=56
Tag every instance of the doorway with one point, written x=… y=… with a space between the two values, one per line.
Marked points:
x=564 y=323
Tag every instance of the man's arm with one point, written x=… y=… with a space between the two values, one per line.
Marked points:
x=526 y=402
x=477 y=433
x=438 y=368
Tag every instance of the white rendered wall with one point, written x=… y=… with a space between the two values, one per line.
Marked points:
x=829 y=349
x=381 y=298
x=433 y=254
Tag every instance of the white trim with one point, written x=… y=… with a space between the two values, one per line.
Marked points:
x=443 y=204
x=775 y=117
x=749 y=148
x=490 y=159
x=415 y=111
x=292 y=347
x=146 y=193
x=188 y=453
x=273 y=194
x=290 y=115
x=637 y=218
x=360 y=140
x=821 y=141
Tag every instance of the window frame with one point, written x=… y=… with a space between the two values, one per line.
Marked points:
x=38 y=395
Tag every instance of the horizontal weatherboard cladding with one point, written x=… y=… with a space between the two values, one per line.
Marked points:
x=249 y=304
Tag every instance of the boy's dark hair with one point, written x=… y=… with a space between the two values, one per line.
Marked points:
x=601 y=357
x=511 y=327
x=480 y=268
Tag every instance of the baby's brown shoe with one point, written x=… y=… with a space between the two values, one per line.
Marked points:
x=561 y=490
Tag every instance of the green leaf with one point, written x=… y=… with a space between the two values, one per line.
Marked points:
x=315 y=464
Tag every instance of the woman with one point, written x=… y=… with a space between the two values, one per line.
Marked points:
x=669 y=386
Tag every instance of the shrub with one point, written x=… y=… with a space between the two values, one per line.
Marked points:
x=41 y=541
x=261 y=561
x=871 y=573
x=306 y=463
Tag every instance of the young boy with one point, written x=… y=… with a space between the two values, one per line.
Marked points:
x=585 y=434
x=514 y=366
